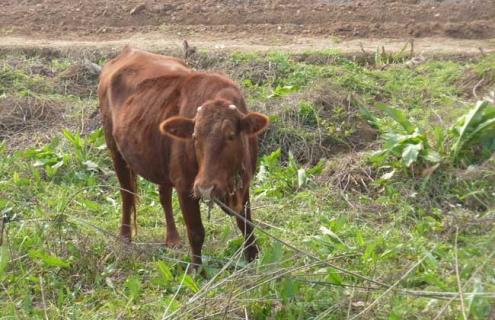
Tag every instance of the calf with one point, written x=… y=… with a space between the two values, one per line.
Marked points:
x=179 y=129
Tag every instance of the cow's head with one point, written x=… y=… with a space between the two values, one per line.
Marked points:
x=220 y=134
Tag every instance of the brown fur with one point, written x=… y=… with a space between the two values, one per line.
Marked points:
x=149 y=105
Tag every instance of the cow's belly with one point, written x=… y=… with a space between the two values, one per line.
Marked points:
x=144 y=153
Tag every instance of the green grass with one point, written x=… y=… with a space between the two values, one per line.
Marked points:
x=60 y=202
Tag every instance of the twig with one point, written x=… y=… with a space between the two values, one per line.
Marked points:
x=349 y=307
x=209 y=316
x=231 y=292
x=43 y=297
x=476 y=87
x=458 y=277
x=362 y=48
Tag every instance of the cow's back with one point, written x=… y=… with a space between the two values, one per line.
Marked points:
x=121 y=76
x=137 y=90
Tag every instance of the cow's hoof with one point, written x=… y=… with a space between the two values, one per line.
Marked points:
x=125 y=237
x=251 y=253
x=173 y=242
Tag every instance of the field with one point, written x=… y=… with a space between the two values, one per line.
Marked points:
x=374 y=198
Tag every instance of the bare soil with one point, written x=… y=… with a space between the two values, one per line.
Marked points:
x=110 y=19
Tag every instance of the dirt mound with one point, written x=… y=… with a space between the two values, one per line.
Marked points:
x=262 y=18
x=349 y=172
x=316 y=123
x=20 y=114
x=80 y=79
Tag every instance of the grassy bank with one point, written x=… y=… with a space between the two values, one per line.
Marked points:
x=392 y=224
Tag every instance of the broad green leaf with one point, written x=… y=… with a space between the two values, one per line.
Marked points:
x=368 y=116
x=388 y=175
x=90 y=204
x=465 y=124
x=272 y=159
x=39 y=163
x=478 y=307
x=283 y=90
x=317 y=169
x=334 y=276
x=164 y=270
x=133 y=286
x=273 y=253
x=324 y=230
x=432 y=156
x=4 y=259
x=398 y=116
x=191 y=284
x=262 y=174
x=90 y=165
x=75 y=139
x=58 y=164
x=479 y=129
x=49 y=260
x=288 y=289
x=301 y=177
x=410 y=153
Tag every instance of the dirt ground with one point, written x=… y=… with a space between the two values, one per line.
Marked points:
x=110 y=19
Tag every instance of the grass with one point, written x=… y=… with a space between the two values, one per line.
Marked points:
x=60 y=203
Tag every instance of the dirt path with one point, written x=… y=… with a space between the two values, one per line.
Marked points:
x=158 y=41
x=466 y=19
x=444 y=27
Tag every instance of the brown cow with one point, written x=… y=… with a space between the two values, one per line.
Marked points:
x=180 y=129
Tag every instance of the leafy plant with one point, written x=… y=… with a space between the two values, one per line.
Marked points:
x=280 y=91
x=133 y=287
x=474 y=134
x=408 y=143
x=276 y=180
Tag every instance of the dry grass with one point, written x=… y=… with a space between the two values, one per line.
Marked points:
x=349 y=172
x=80 y=79
x=473 y=86
x=27 y=114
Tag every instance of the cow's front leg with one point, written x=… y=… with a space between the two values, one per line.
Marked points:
x=195 y=229
x=250 y=247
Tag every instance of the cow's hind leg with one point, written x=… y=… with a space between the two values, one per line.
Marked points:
x=173 y=238
x=128 y=192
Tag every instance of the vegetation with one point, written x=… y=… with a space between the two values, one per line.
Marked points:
x=393 y=223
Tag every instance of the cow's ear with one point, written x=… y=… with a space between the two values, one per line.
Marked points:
x=178 y=128
x=254 y=123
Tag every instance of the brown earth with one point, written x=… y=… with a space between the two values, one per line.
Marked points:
x=237 y=19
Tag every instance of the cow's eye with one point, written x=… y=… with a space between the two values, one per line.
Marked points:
x=230 y=136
